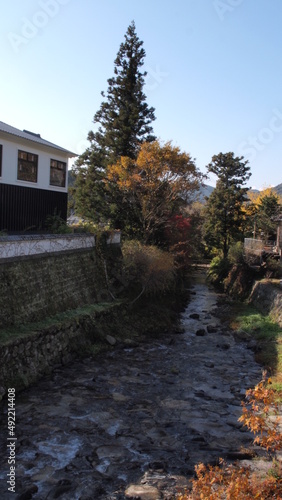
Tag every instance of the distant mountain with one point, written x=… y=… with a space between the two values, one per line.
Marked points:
x=207 y=190
x=278 y=189
x=204 y=191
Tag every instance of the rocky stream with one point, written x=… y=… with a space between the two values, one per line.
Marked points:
x=133 y=422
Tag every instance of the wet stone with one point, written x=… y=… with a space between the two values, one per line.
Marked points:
x=142 y=492
x=111 y=340
x=194 y=316
x=209 y=364
x=224 y=346
x=211 y=329
x=28 y=493
x=201 y=332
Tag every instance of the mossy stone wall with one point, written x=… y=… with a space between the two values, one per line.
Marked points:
x=34 y=288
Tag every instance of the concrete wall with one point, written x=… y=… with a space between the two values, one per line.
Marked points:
x=19 y=246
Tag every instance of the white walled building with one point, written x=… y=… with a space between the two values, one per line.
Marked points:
x=33 y=179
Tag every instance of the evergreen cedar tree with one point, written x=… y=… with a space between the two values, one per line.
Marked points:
x=224 y=209
x=124 y=122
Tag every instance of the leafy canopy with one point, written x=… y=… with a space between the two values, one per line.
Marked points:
x=262 y=212
x=156 y=185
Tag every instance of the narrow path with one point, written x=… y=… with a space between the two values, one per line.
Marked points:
x=135 y=422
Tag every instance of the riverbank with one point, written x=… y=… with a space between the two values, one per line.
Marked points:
x=30 y=351
x=266 y=296
x=134 y=421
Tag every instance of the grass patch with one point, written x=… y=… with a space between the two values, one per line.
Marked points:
x=268 y=335
x=9 y=334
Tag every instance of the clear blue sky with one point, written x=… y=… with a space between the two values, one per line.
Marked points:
x=214 y=72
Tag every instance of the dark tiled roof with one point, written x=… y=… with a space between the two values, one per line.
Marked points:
x=30 y=136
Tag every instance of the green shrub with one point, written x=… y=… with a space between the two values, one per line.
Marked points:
x=148 y=270
x=235 y=253
x=218 y=271
x=56 y=225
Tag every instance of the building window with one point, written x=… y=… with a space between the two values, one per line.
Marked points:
x=27 y=166
x=58 y=173
x=1 y=147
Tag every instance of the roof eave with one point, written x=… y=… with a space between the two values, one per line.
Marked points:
x=43 y=143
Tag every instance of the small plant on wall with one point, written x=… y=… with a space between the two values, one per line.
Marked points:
x=56 y=225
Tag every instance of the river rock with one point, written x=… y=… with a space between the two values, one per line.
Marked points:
x=28 y=493
x=63 y=486
x=201 y=332
x=211 y=329
x=223 y=345
x=142 y=492
x=111 y=340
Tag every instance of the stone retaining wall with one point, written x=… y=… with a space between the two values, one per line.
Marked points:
x=25 y=360
x=34 y=288
x=267 y=298
x=39 y=286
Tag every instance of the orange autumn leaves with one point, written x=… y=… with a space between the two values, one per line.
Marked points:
x=261 y=416
x=158 y=183
x=235 y=482
x=154 y=166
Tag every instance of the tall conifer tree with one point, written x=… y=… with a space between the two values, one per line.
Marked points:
x=124 y=121
x=224 y=208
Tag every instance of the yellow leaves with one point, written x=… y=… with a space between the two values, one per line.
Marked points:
x=155 y=164
x=154 y=184
x=257 y=197
x=120 y=173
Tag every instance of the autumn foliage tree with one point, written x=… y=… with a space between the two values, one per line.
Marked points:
x=261 y=213
x=157 y=185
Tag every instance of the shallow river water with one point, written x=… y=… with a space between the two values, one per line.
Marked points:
x=134 y=422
